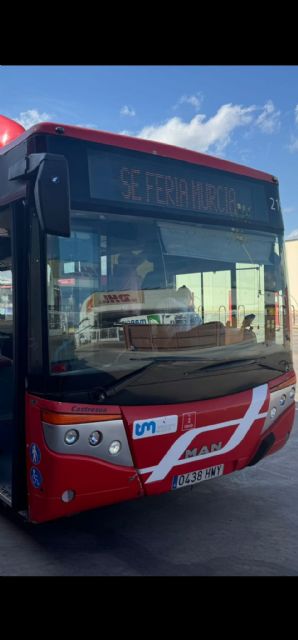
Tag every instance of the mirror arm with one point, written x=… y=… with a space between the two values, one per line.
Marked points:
x=24 y=169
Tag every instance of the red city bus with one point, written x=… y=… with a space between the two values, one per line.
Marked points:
x=143 y=351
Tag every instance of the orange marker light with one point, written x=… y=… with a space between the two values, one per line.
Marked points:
x=62 y=418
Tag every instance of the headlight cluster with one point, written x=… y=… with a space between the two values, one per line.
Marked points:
x=282 y=402
x=95 y=438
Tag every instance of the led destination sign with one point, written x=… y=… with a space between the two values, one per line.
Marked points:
x=169 y=184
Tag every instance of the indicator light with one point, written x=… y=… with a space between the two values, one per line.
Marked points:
x=114 y=447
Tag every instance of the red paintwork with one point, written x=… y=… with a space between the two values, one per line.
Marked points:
x=147 y=146
x=95 y=483
x=99 y=483
x=149 y=451
x=9 y=130
x=285 y=380
x=77 y=408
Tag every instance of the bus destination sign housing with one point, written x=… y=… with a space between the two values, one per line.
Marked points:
x=155 y=182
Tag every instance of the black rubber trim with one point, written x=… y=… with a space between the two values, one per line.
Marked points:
x=263 y=449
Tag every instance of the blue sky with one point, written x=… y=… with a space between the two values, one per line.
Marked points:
x=248 y=114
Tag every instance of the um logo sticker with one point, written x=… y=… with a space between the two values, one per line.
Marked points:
x=154 y=427
x=142 y=427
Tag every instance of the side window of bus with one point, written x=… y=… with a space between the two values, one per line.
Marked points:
x=6 y=299
x=6 y=335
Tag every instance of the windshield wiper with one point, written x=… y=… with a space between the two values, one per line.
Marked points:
x=175 y=359
x=112 y=389
x=219 y=364
x=228 y=363
x=232 y=363
x=283 y=369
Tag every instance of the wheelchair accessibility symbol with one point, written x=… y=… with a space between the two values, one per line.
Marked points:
x=36 y=477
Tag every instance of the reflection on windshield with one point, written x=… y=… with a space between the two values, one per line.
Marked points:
x=126 y=285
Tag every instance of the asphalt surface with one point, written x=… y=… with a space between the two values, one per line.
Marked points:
x=242 y=524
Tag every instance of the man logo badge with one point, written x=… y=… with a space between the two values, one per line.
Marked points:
x=189 y=453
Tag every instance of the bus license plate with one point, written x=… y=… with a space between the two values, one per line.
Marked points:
x=187 y=479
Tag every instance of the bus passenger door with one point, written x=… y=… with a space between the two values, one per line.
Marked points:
x=6 y=356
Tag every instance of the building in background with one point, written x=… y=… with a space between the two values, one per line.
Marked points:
x=292 y=262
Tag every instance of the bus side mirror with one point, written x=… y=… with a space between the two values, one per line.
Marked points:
x=52 y=195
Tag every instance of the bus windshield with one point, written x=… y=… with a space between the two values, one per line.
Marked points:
x=125 y=288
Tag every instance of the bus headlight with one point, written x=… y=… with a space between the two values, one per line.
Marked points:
x=273 y=412
x=71 y=436
x=292 y=392
x=114 y=447
x=282 y=399
x=95 y=438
